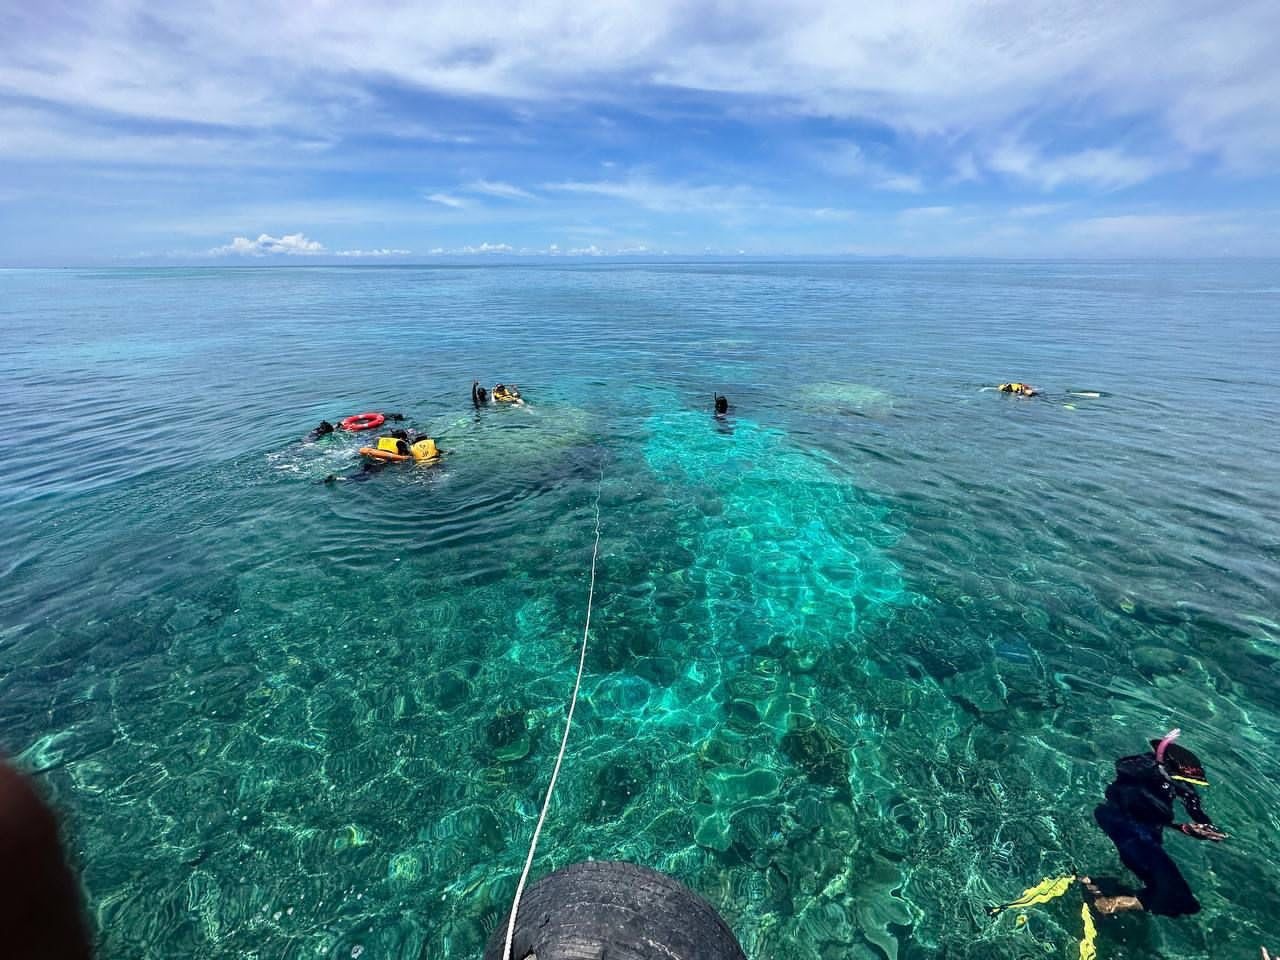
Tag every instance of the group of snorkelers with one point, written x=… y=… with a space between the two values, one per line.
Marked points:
x=401 y=445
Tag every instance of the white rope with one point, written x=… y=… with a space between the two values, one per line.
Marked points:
x=564 y=741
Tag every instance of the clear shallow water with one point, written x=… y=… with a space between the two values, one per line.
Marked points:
x=860 y=659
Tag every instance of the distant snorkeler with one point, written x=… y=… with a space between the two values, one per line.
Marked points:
x=1138 y=806
x=1019 y=389
x=479 y=395
x=721 y=404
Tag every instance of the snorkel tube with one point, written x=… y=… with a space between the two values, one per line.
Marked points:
x=1163 y=745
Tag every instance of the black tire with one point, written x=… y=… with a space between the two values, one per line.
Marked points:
x=621 y=911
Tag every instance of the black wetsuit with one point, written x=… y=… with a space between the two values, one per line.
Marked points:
x=323 y=430
x=1138 y=807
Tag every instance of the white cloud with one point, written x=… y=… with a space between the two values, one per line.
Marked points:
x=1036 y=210
x=447 y=200
x=664 y=197
x=1174 y=235
x=926 y=213
x=1108 y=168
x=851 y=160
x=550 y=250
x=293 y=244
x=1207 y=73
x=487 y=248
x=496 y=188
x=965 y=169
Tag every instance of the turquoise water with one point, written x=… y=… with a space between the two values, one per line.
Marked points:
x=861 y=654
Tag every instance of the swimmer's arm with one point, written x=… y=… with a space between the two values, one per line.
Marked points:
x=1191 y=801
x=1202 y=831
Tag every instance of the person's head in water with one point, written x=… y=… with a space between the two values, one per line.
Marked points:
x=722 y=403
x=323 y=430
x=504 y=394
x=1179 y=762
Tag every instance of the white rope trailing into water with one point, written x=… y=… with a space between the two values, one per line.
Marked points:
x=564 y=740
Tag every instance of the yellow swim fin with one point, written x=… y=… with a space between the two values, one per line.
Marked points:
x=1050 y=888
x=1088 y=950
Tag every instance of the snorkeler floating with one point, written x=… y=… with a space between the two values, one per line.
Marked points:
x=501 y=393
x=1139 y=805
x=721 y=404
x=1019 y=389
x=323 y=430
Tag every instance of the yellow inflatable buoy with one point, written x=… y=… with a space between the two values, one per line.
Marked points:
x=1050 y=888
x=1088 y=948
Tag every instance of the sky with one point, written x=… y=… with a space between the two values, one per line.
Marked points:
x=311 y=131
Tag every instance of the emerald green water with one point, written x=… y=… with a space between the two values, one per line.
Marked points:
x=861 y=653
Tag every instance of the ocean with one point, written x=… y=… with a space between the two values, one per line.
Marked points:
x=862 y=653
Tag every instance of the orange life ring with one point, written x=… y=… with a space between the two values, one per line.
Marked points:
x=363 y=421
x=377 y=454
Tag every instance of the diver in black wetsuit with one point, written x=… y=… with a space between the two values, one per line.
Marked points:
x=323 y=430
x=1139 y=805
x=721 y=403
